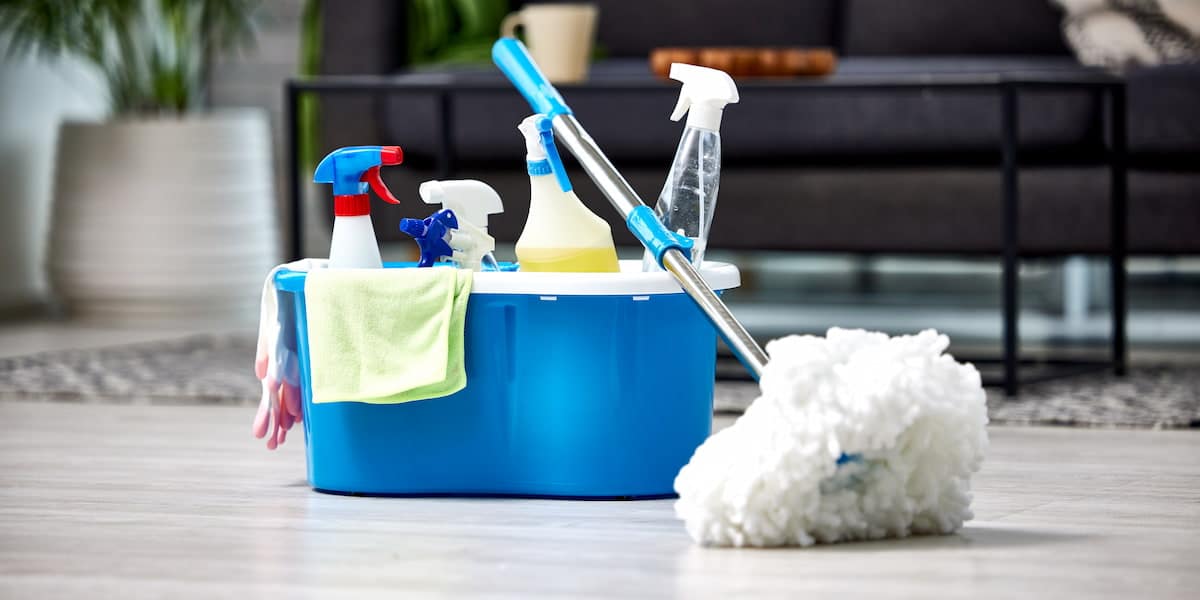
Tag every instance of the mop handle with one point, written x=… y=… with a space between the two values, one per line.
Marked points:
x=514 y=60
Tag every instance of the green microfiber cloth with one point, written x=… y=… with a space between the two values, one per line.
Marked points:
x=386 y=336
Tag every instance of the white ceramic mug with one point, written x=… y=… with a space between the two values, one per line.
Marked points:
x=559 y=37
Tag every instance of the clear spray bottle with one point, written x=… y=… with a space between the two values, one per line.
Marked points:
x=689 y=195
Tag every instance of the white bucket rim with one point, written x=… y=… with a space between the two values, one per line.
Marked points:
x=631 y=281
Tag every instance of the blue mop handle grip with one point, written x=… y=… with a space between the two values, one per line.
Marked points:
x=513 y=59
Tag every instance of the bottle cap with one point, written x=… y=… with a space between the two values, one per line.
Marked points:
x=541 y=154
x=465 y=240
x=352 y=170
x=432 y=235
x=472 y=201
x=704 y=94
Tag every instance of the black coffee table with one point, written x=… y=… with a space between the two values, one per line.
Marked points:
x=1006 y=87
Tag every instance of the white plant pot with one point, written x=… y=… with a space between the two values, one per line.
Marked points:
x=164 y=218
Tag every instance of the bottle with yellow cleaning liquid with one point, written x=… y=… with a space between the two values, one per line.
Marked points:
x=561 y=235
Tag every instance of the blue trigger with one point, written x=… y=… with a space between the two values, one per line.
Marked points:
x=430 y=235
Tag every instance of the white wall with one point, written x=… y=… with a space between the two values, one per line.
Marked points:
x=255 y=78
x=35 y=96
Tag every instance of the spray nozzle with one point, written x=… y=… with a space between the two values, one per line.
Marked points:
x=542 y=156
x=458 y=232
x=704 y=94
x=432 y=235
x=471 y=200
x=352 y=170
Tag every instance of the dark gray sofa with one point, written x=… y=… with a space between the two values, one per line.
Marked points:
x=880 y=171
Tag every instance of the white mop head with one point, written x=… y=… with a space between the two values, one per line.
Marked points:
x=906 y=419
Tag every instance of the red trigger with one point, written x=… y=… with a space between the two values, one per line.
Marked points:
x=373 y=177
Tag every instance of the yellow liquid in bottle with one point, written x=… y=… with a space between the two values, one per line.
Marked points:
x=568 y=260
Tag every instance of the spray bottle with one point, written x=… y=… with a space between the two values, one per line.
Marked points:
x=351 y=170
x=689 y=195
x=561 y=235
x=459 y=231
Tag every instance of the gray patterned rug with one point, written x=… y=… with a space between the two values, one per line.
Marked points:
x=218 y=370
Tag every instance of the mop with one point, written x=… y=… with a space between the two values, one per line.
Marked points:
x=855 y=435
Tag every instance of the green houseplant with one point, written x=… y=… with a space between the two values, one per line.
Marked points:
x=155 y=55
x=166 y=210
x=442 y=32
x=457 y=32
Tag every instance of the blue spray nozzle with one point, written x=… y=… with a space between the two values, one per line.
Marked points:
x=353 y=168
x=545 y=129
x=542 y=157
x=431 y=235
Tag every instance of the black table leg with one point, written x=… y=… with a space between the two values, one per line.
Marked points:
x=1118 y=201
x=1010 y=217
x=291 y=116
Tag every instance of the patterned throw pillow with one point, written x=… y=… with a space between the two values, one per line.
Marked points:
x=1117 y=34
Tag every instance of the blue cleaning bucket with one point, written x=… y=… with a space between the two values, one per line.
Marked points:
x=591 y=385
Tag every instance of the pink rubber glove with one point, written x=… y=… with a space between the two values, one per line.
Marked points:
x=277 y=366
x=292 y=401
x=281 y=406
x=266 y=420
x=268 y=333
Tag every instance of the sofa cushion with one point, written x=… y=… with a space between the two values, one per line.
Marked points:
x=1063 y=210
x=1164 y=109
x=898 y=27
x=632 y=29
x=770 y=125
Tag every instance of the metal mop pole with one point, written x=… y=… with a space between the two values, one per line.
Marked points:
x=571 y=134
x=513 y=59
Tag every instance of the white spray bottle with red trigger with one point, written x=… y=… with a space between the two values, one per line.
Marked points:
x=352 y=170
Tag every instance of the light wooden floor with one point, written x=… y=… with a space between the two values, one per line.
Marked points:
x=148 y=501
